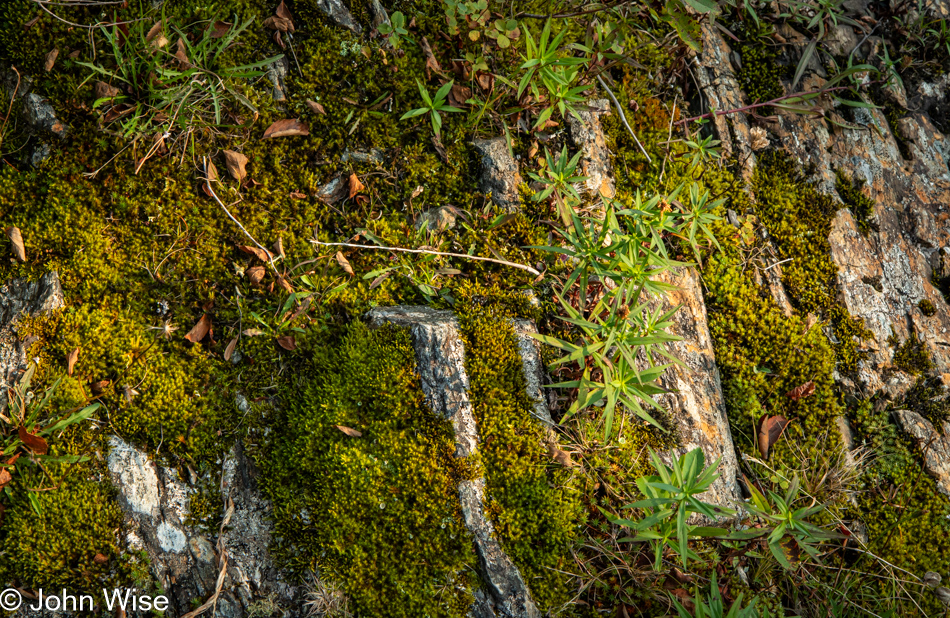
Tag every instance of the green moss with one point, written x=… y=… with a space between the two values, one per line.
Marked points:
x=912 y=356
x=927 y=308
x=377 y=514
x=862 y=207
x=760 y=74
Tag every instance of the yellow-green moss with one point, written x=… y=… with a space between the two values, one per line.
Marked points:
x=912 y=356
x=760 y=74
x=927 y=308
x=862 y=207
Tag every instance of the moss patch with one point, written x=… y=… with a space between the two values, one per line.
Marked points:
x=862 y=207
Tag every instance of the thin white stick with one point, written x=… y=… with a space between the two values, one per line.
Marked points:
x=204 y=161
x=426 y=251
x=623 y=117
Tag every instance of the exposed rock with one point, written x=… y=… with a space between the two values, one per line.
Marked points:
x=338 y=14
x=21 y=297
x=277 y=74
x=41 y=116
x=696 y=403
x=534 y=371
x=377 y=13
x=373 y=155
x=588 y=137
x=500 y=177
x=440 y=358
x=184 y=561
x=438 y=219
x=933 y=443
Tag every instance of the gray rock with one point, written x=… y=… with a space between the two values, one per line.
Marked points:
x=500 y=177
x=377 y=13
x=440 y=358
x=373 y=155
x=588 y=137
x=277 y=74
x=41 y=117
x=438 y=219
x=338 y=14
x=934 y=445
x=20 y=297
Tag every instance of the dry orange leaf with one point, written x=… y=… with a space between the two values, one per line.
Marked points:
x=100 y=559
x=199 y=330
x=316 y=107
x=344 y=263
x=287 y=128
x=50 y=59
x=98 y=387
x=282 y=281
x=431 y=63
x=771 y=429
x=180 y=55
x=105 y=91
x=282 y=10
x=235 y=162
x=355 y=185
x=13 y=233
x=35 y=443
x=255 y=274
x=257 y=252
x=287 y=342
x=5 y=477
x=71 y=361
x=219 y=29
x=278 y=247
x=800 y=392
x=349 y=431
x=229 y=350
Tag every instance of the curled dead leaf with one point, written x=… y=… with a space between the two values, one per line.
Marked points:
x=459 y=94
x=298 y=195
x=200 y=329
x=235 y=162
x=560 y=456
x=255 y=274
x=344 y=263
x=280 y=24
x=287 y=342
x=219 y=29
x=278 y=247
x=286 y=128
x=71 y=361
x=800 y=392
x=33 y=442
x=349 y=431
x=282 y=282
x=431 y=63
x=770 y=430
x=229 y=350
x=99 y=386
x=282 y=10
x=19 y=251
x=316 y=107
x=100 y=559
x=105 y=91
x=180 y=55
x=257 y=252
x=355 y=185
x=5 y=477
x=50 y=59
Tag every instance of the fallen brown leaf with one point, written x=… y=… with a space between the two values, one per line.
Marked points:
x=286 y=128
x=211 y=172
x=278 y=247
x=316 y=107
x=71 y=361
x=800 y=392
x=153 y=32
x=229 y=350
x=13 y=233
x=100 y=559
x=32 y=22
x=282 y=11
x=298 y=195
x=355 y=185
x=35 y=443
x=219 y=29
x=5 y=477
x=349 y=431
x=181 y=56
x=255 y=274
x=50 y=59
x=279 y=23
x=200 y=329
x=431 y=63
x=485 y=80
x=560 y=456
x=287 y=342
x=770 y=430
x=282 y=281
x=344 y=263
x=235 y=162
x=99 y=386
x=257 y=252
x=458 y=95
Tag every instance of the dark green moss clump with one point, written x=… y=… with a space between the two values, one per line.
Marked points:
x=911 y=356
x=927 y=308
x=378 y=514
x=862 y=207
x=761 y=74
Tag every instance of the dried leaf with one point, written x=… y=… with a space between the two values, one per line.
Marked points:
x=279 y=23
x=770 y=430
x=316 y=107
x=458 y=95
x=485 y=80
x=106 y=91
x=287 y=342
x=219 y=29
x=183 y=62
x=229 y=350
x=50 y=59
x=440 y=149
x=235 y=162
x=298 y=195
x=287 y=128
x=344 y=263
x=100 y=559
x=35 y=443
x=211 y=172
x=5 y=477
x=100 y=386
x=257 y=252
x=153 y=32
x=71 y=361
x=378 y=280
x=282 y=281
x=282 y=10
x=255 y=274
x=355 y=185
x=200 y=330
x=349 y=431
x=278 y=247
x=431 y=63
x=13 y=233
x=800 y=392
